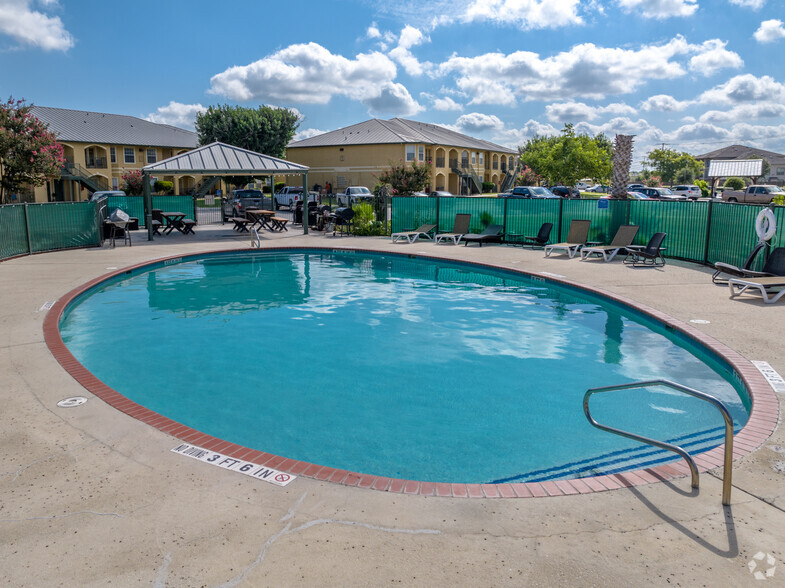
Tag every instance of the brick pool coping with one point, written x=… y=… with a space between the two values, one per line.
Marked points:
x=763 y=419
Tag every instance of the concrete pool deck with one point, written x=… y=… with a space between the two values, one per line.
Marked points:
x=92 y=497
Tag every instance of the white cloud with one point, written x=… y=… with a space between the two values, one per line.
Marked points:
x=660 y=9
x=310 y=74
x=574 y=112
x=496 y=78
x=31 y=27
x=745 y=88
x=713 y=57
x=664 y=103
x=443 y=103
x=754 y=4
x=372 y=32
x=526 y=14
x=699 y=133
x=745 y=112
x=478 y=123
x=176 y=114
x=514 y=137
x=307 y=134
x=410 y=37
x=770 y=31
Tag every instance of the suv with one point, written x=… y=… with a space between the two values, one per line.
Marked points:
x=527 y=192
x=691 y=192
x=565 y=192
x=241 y=200
x=104 y=193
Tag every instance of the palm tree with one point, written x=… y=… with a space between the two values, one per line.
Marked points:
x=622 y=159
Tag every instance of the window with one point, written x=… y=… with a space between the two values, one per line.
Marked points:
x=112 y=155
x=781 y=171
x=151 y=157
x=421 y=153
x=474 y=158
x=482 y=158
x=129 y=155
x=115 y=181
x=410 y=153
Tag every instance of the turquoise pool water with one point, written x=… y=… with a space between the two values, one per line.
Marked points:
x=397 y=366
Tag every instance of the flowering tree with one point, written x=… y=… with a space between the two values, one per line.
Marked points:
x=527 y=177
x=29 y=153
x=133 y=182
x=406 y=179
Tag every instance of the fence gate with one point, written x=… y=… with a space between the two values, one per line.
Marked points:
x=208 y=212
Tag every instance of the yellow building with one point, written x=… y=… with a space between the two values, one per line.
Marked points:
x=100 y=147
x=356 y=155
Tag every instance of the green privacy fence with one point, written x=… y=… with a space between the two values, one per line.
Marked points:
x=134 y=205
x=32 y=228
x=700 y=231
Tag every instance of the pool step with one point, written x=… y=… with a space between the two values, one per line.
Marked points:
x=623 y=460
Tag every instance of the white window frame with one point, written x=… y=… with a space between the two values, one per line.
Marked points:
x=151 y=151
x=482 y=158
x=474 y=157
x=410 y=152
x=115 y=183
x=421 y=152
x=112 y=155
x=129 y=151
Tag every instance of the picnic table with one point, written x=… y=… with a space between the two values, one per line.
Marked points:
x=259 y=218
x=174 y=220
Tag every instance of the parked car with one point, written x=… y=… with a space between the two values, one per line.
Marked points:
x=582 y=186
x=599 y=188
x=441 y=194
x=635 y=187
x=636 y=195
x=290 y=195
x=660 y=193
x=565 y=192
x=755 y=194
x=691 y=192
x=353 y=194
x=527 y=192
x=239 y=201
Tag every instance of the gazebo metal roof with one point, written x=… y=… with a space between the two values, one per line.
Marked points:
x=222 y=159
x=722 y=168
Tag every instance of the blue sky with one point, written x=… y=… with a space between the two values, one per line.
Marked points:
x=694 y=75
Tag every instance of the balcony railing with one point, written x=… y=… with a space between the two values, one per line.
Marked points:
x=453 y=163
x=440 y=162
x=96 y=163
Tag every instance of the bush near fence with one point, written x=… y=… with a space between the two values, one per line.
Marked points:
x=699 y=231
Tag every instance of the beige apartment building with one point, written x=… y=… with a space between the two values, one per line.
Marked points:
x=100 y=147
x=357 y=154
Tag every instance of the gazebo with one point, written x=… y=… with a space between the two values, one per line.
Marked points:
x=220 y=159
x=725 y=168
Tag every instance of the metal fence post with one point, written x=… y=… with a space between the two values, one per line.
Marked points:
x=438 y=199
x=558 y=219
x=27 y=230
x=708 y=234
x=504 y=219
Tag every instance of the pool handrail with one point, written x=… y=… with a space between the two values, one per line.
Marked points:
x=728 y=463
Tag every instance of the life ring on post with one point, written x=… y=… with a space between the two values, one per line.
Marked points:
x=765 y=224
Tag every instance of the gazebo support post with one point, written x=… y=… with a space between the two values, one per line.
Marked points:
x=148 y=205
x=306 y=198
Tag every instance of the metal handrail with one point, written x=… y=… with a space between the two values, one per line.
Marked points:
x=728 y=463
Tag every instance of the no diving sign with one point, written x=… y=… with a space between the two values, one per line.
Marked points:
x=236 y=465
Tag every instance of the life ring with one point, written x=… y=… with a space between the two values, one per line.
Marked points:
x=765 y=224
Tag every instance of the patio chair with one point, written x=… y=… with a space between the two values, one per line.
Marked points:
x=771 y=288
x=576 y=238
x=491 y=234
x=738 y=272
x=459 y=228
x=411 y=236
x=649 y=255
x=540 y=240
x=623 y=238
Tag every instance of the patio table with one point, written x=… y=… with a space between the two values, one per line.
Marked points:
x=260 y=218
x=173 y=221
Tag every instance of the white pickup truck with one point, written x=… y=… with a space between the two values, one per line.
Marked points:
x=290 y=195
x=353 y=194
x=755 y=194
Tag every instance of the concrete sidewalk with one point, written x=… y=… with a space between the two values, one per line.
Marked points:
x=92 y=497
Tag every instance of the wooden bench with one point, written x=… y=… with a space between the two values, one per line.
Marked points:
x=188 y=226
x=240 y=224
x=278 y=223
x=156 y=227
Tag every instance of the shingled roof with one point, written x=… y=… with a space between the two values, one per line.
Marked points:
x=398 y=130
x=81 y=126
x=740 y=152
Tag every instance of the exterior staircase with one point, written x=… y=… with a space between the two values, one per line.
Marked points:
x=509 y=178
x=205 y=186
x=75 y=172
x=466 y=172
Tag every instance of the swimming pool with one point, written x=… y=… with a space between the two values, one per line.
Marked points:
x=398 y=367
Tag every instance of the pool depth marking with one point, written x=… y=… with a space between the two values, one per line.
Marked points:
x=772 y=377
x=236 y=465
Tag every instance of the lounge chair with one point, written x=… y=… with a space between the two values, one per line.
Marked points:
x=540 y=240
x=649 y=255
x=492 y=234
x=623 y=238
x=411 y=236
x=576 y=238
x=774 y=266
x=763 y=285
x=459 y=228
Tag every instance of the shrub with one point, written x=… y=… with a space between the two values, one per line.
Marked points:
x=704 y=186
x=488 y=187
x=279 y=186
x=163 y=187
x=365 y=224
x=133 y=182
x=654 y=182
x=734 y=183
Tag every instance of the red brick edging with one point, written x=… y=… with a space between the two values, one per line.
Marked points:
x=762 y=421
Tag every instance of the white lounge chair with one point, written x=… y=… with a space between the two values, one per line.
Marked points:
x=576 y=238
x=623 y=238
x=459 y=228
x=763 y=285
x=411 y=236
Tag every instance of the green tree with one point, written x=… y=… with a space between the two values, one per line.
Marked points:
x=264 y=129
x=406 y=179
x=734 y=183
x=668 y=162
x=568 y=157
x=765 y=169
x=29 y=152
